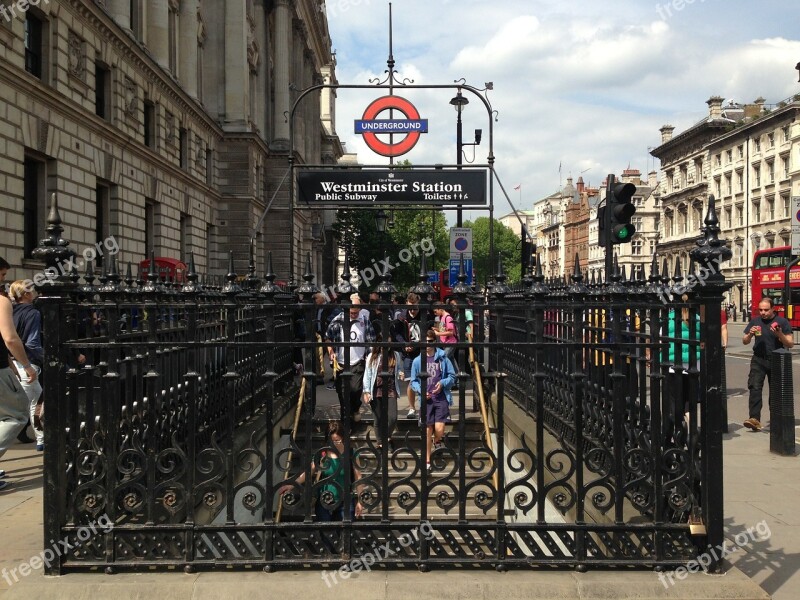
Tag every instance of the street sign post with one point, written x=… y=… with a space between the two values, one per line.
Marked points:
x=796 y=226
x=460 y=245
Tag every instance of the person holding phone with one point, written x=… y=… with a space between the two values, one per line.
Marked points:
x=770 y=332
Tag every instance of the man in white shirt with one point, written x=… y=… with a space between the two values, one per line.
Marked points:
x=361 y=335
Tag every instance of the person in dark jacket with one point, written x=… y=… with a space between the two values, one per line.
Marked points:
x=28 y=323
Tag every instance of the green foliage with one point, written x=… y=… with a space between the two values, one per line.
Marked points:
x=356 y=232
x=506 y=243
x=411 y=226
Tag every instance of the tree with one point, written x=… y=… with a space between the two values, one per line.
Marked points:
x=356 y=233
x=506 y=243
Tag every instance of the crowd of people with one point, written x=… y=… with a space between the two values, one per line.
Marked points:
x=364 y=327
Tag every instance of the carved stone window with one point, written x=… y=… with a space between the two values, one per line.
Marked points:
x=170 y=127
x=130 y=91
x=76 y=56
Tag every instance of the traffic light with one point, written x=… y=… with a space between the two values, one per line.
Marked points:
x=618 y=213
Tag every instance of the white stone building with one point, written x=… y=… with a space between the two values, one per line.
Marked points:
x=161 y=123
x=746 y=156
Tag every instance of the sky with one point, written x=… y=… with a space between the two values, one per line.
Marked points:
x=579 y=85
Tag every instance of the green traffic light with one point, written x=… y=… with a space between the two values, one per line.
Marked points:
x=623 y=233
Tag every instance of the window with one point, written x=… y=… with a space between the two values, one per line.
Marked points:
x=771 y=172
x=209 y=166
x=149 y=227
x=636 y=247
x=756 y=145
x=149 y=124
x=756 y=211
x=728 y=220
x=785 y=131
x=771 y=209
x=34 y=192
x=173 y=40
x=756 y=176
x=739 y=181
x=785 y=167
x=770 y=140
x=136 y=18
x=33 y=45
x=200 y=72
x=183 y=149
x=185 y=227
x=102 y=91
x=101 y=231
x=739 y=215
x=740 y=151
x=718 y=160
x=729 y=156
x=739 y=249
x=209 y=246
x=717 y=187
x=785 y=202
x=728 y=190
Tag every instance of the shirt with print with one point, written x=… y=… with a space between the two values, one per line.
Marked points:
x=434 y=377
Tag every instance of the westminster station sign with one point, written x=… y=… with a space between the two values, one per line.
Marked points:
x=388 y=187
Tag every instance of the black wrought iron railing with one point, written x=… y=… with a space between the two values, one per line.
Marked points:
x=165 y=404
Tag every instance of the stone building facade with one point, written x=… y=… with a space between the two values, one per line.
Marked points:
x=161 y=123
x=746 y=156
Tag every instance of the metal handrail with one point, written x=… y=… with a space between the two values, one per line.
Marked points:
x=476 y=373
x=298 y=411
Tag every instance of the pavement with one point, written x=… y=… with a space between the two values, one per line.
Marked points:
x=761 y=491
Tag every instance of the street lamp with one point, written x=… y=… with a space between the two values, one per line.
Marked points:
x=459 y=102
x=381 y=219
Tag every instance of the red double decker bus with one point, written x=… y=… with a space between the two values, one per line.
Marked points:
x=768 y=281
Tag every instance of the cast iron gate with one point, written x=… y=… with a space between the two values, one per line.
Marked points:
x=163 y=445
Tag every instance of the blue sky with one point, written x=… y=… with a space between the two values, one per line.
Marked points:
x=581 y=84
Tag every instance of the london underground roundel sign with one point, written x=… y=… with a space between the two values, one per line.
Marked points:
x=412 y=126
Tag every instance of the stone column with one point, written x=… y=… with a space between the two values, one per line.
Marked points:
x=187 y=47
x=236 y=66
x=283 y=58
x=158 y=31
x=260 y=102
x=121 y=11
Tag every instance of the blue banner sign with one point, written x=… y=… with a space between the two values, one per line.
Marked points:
x=455 y=267
x=392 y=126
x=433 y=276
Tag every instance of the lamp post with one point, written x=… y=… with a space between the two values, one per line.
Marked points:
x=459 y=102
x=381 y=220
